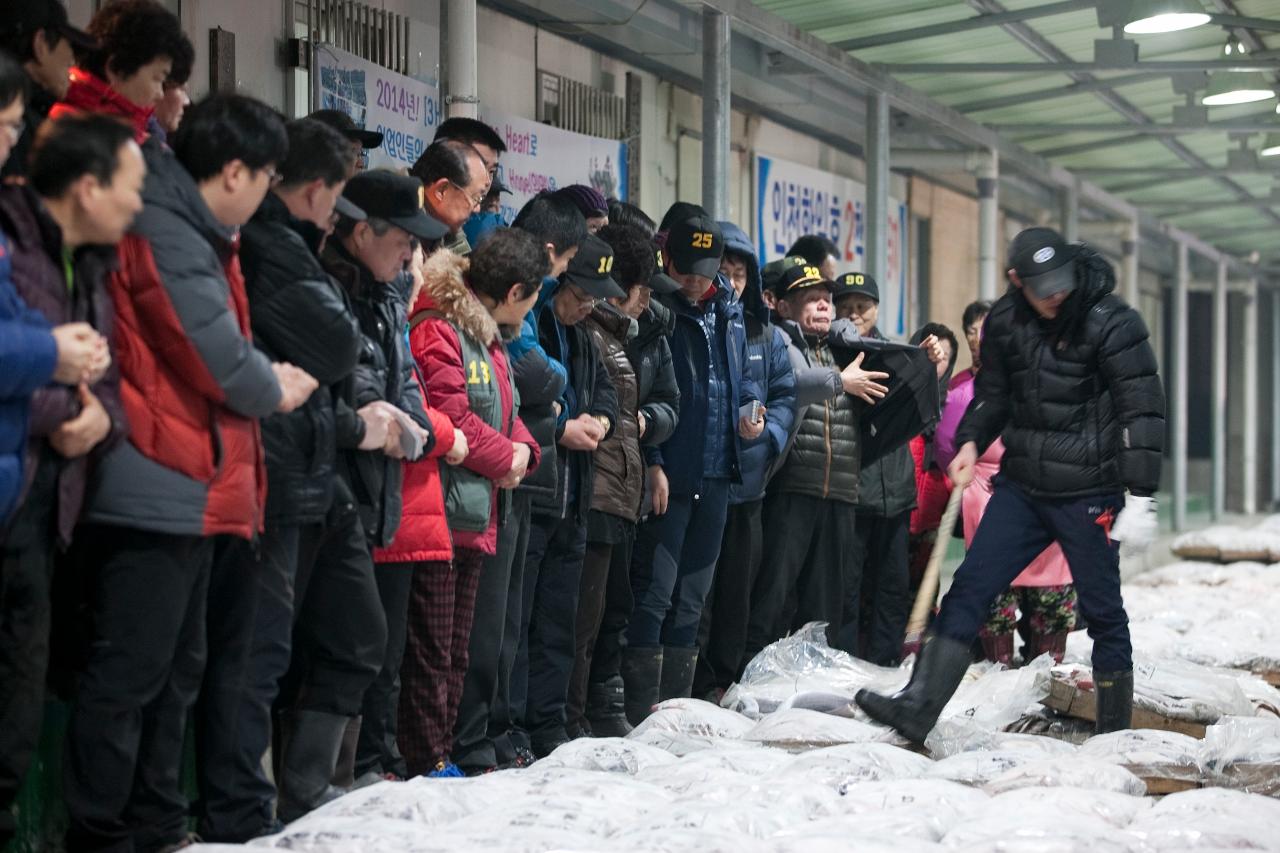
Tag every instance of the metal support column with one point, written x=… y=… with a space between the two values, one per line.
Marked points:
x=1178 y=409
x=1129 y=246
x=1275 y=399
x=877 y=153
x=1071 y=212
x=1218 y=408
x=458 y=38
x=1250 y=379
x=989 y=275
x=715 y=113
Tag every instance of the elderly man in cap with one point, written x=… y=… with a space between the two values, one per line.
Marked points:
x=690 y=473
x=1069 y=381
x=343 y=619
x=557 y=535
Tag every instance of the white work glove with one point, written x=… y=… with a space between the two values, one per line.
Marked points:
x=1136 y=526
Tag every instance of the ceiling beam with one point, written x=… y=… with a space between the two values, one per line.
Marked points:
x=1244 y=22
x=1268 y=125
x=1041 y=95
x=1166 y=66
x=964 y=25
x=1096 y=145
x=1191 y=208
x=1186 y=171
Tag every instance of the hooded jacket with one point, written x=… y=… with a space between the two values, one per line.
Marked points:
x=39 y=273
x=769 y=366
x=1078 y=401
x=28 y=357
x=446 y=312
x=384 y=371
x=619 y=481
x=705 y=441
x=192 y=384
x=592 y=394
x=300 y=316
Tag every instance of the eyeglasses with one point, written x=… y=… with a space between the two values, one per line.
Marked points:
x=581 y=295
x=475 y=200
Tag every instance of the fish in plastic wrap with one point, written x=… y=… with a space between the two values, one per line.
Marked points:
x=960 y=734
x=695 y=718
x=1244 y=753
x=1148 y=753
x=609 y=755
x=848 y=764
x=940 y=804
x=1042 y=830
x=1210 y=818
x=1119 y=810
x=799 y=729
x=1067 y=772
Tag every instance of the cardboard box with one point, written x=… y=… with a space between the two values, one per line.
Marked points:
x=1074 y=701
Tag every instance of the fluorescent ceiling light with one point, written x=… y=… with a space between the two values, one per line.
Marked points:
x=1164 y=16
x=1271 y=145
x=1237 y=87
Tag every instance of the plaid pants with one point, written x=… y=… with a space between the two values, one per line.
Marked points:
x=441 y=611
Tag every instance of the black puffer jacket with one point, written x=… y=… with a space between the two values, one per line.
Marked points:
x=301 y=316
x=384 y=372
x=887 y=486
x=823 y=460
x=650 y=355
x=1078 y=400
x=540 y=386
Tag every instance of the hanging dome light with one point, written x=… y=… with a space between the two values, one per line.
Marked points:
x=1164 y=16
x=1237 y=87
x=1270 y=145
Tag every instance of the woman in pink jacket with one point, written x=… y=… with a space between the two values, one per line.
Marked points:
x=1043 y=592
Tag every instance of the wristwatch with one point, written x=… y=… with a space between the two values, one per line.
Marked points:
x=604 y=422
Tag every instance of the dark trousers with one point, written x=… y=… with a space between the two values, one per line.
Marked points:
x=484 y=713
x=249 y=623
x=340 y=631
x=125 y=736
x=26 y=557
x=377 y=750
x=722 y=634
x=544 y=664
x=807 y=544
x=442 y=604
x=606 y=572
x=606 y=658
x=674 y=565
x=881 y=559
x=1014 y=530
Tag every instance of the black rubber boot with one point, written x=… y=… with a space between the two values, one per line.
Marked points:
x=344 y=771
x=310 y=754
x=914 y=709
x=606 y=708
x=641 y=673
x=678 y=665
x=1114 y=695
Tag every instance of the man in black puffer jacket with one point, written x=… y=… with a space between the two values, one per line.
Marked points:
x=298 y=315
x=1069 y=382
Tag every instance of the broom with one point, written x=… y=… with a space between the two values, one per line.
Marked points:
x=929 y=583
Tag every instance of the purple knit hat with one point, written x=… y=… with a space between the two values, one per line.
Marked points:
x=586 y=199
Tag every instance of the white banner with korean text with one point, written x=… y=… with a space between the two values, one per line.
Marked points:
x=793 y=200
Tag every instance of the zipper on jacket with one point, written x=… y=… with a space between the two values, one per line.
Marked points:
x=826 y=440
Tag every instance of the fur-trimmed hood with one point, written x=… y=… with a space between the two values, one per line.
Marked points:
x=445 y=290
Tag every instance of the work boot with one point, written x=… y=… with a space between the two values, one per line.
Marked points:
x=344 y=772
x=606 y=708
x=1053 y=644
x=914 y=709
x=997 y=648
x=310 y=754
x=1114 y=696
x=678 y=665
x=641 y=673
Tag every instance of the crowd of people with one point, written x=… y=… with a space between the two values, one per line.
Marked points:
x=340 y=468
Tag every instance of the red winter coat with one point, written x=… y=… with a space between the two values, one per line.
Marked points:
x=88 y=93
x=438 y=352
x=424 y=532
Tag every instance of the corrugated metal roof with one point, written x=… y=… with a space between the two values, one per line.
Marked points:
x=1074 y=34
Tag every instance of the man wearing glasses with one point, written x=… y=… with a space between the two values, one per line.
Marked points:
x=455 y=180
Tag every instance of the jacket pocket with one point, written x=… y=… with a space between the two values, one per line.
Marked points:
x=467 y=499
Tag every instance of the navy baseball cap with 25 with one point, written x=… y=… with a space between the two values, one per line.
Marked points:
x=1043 y=261
x=695 y=246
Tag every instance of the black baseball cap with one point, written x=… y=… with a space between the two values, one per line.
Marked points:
x=660 y=282
x=349 y=209
x=397 y=199
x=48 y=15
x=856 y=284
x=1043 y=261
x=798 y=277
x=695 y=246
x=347 y=126
x=591 y=267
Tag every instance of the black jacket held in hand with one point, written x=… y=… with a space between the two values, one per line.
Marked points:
x=1077 y=400
x=384 y=371
x=650 y=355
x=301 y=316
